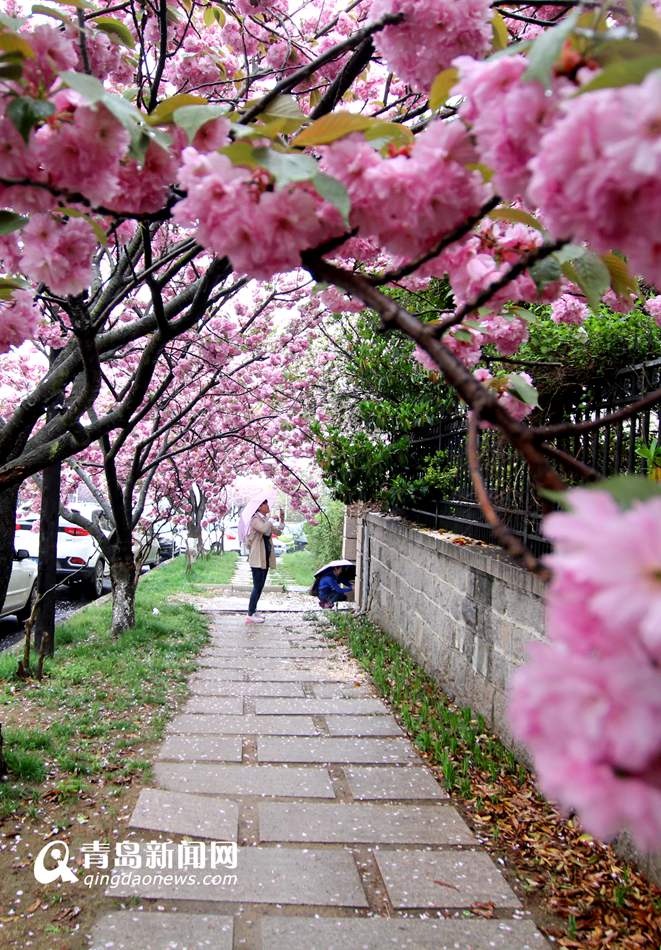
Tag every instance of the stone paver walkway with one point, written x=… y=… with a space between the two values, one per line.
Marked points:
x=345 y=839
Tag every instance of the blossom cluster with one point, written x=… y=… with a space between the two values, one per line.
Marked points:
x=406 y=203
x=588 y=703
x=229 y=205
x=449 y=28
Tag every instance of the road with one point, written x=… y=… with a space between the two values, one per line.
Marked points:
x=68 y=600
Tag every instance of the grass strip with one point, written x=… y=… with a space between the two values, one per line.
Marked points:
x=100 y=697
x=296 y=567
x=578 y=889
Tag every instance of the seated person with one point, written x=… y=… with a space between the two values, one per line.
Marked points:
x=331 y=590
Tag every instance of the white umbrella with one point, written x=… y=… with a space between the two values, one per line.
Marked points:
x=332 y=564
x=247 y=515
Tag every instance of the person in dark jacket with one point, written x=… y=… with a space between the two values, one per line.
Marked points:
x=331 y=589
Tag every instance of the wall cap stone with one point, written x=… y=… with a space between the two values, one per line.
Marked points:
x=489 y=559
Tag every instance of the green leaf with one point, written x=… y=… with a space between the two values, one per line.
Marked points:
x=516 y=215
x=441 y=87
x=192 y=118
x=78 y=4
x=9 y=284
x=627 y=489
x=286 y=167
x=569 y=253
x=385 y=133
x=331 y=127
x=522 y=389
x=11 y=67
x=546 y=49
x=624 y=72
x=284 y=107
x=89 y=87
x=501 y=35
x=558 y=497
x=241 y=153
x=592 y=276
x=24 y=113
x=11 y=22
x=164 y=111
x=522 y=313
x=334 y=193
x=10 y=221
x=49 y=11
x=113 y=27
x=622 y=280
x=546 y=271
x=12 y=43
x=461 y=334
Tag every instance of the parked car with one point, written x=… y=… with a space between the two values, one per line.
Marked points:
x=169 y=543
x=279 y=547
x=79 y=557
x=297 y=531
x=287 y=539
x=22 y=589
x=140 y=542
x=231 y=538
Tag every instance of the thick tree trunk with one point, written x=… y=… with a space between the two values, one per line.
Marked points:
x=44 y=625
x=122 y=576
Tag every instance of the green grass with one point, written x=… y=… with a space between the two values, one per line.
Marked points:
x=453 y=738
x=297 y=567
x=101 y=696
x=208 y=569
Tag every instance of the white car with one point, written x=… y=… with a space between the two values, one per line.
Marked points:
x=152 y=556
x=231 y=538
x=279 y=547
x=79 y=557
x=22 y=589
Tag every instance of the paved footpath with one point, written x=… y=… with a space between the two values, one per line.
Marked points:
x=345 y=839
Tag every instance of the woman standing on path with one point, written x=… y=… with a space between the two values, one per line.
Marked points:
x=255 y=531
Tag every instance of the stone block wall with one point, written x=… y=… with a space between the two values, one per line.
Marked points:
x=349 y=547
x=466 y=613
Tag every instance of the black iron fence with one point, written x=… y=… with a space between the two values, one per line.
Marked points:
x=610 y=449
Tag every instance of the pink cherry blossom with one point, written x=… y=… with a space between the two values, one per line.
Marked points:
x=593 y=727
x=18 y=319
x=82 y=155
x=507 y=115
x=517 y=408
x=339 y=302
x=406 y=203
x=620 y=303
x=653 y=307
x=144 y=187
x=59 y=253
x=467 y=351
x=569 y=309
x=450 y=28
x=505 y=331
x=577 y=180
x=54 y=52
x=617 y=551
x=230 y=205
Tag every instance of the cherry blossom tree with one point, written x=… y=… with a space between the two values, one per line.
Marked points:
x=157 y=156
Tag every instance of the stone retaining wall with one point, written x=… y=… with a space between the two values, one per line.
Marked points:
x=466 y=614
